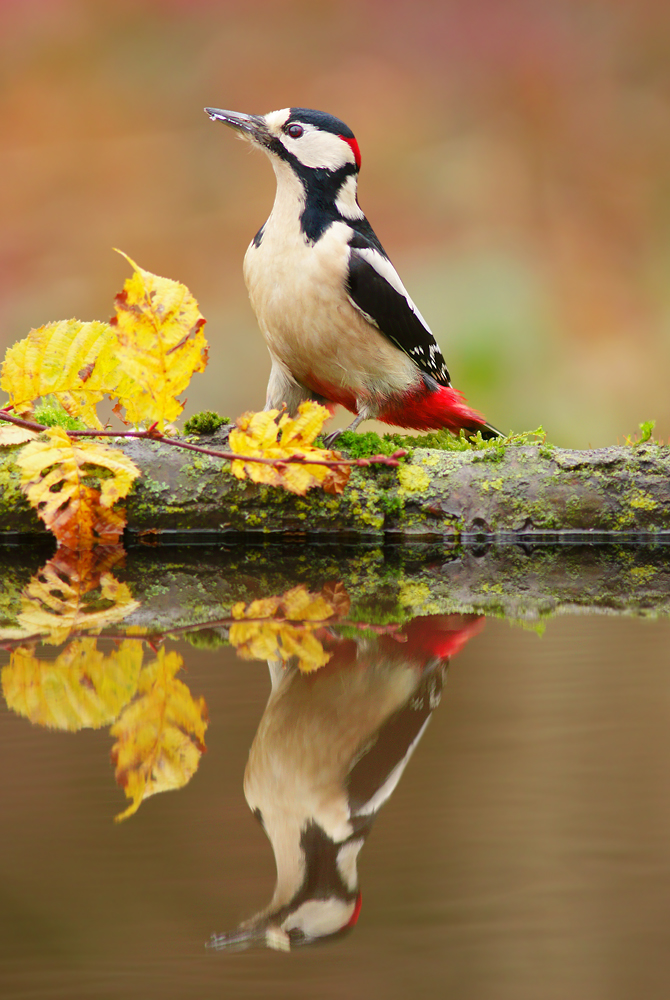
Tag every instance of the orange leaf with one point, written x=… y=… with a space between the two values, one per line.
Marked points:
x=68 y=482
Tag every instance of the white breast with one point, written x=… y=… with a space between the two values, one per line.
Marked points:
x=297 y=292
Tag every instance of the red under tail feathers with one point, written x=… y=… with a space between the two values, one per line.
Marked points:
x=441 y=635
x=424 y=409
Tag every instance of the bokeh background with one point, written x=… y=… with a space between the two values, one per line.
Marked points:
x=516 y=162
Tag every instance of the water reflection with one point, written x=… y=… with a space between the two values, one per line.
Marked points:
x=330 y=749
x=523 y=854
x=349 y=703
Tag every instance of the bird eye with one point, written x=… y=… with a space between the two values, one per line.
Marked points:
x=295 y=131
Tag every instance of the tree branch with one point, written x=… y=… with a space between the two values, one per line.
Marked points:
x=521 y=492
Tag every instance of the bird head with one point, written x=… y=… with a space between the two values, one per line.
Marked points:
x=306 y=139
x=309 y=921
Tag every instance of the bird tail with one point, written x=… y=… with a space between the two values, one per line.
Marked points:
x=428 y=409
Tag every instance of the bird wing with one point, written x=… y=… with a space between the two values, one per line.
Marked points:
x=375 y=289
x=378 y=769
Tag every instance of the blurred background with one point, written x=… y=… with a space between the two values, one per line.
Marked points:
x=516 y=164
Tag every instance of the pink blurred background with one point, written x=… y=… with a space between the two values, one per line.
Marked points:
x=515 y=165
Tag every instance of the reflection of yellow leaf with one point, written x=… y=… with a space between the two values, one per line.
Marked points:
x=271 y=640
x=265 y=607
x=11 y=434
x=75 y=590
x=161 y=344
x=73 y=486
x=279 y=641
x=76 y=362
x=160 y=736
x=81 y=688
x=257 y=434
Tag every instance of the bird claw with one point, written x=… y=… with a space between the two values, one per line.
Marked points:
x=331 y=438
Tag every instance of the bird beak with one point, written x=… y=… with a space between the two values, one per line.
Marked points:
x=262 y=933
x=251 y=126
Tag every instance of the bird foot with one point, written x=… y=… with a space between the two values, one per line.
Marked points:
x=331 y=438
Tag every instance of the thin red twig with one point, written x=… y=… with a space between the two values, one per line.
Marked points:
x=230 y=456
x=392 y=628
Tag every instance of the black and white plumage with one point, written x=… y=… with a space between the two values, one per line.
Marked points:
x=338 y=321
x=329 y=752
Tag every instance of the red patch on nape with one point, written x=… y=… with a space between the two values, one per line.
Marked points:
x=354 y=149
x=357 y=909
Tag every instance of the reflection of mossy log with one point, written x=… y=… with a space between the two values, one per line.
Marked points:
x=433 y=495
x=182 y=588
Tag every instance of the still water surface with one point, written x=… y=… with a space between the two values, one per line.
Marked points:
x=524 y=854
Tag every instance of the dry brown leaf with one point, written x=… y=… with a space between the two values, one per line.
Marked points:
x=11 y=434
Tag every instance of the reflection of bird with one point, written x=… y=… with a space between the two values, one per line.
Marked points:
x=338 y=322
x=329 y=751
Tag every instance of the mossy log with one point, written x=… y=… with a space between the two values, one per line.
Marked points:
x=526 y=491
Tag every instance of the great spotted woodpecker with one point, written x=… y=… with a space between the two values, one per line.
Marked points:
x=338 y=321
x=330 y=749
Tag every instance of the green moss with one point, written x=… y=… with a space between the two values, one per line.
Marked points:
x=206 y=422
x=205 y=638
x=365 y=444
x=413 y=594
x=50 y=413
x=646 y=432
x=391 y=503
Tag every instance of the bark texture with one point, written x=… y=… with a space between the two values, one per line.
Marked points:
x=529 y=491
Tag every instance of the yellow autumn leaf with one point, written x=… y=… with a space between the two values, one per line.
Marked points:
x=266 y=607
x=60 y=480
x=160 y=735
x=82 y=688
x=279 y=641
x=76 y=362
x=161 y=343
x=283 y=639
x=271 y=436
x=75 y=590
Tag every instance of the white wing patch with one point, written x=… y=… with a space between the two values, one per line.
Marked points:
x=386 y=270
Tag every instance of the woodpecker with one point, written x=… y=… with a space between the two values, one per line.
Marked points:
x=338 y=322
x=330 y=749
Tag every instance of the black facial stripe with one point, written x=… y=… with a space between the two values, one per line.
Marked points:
x=322 y=876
